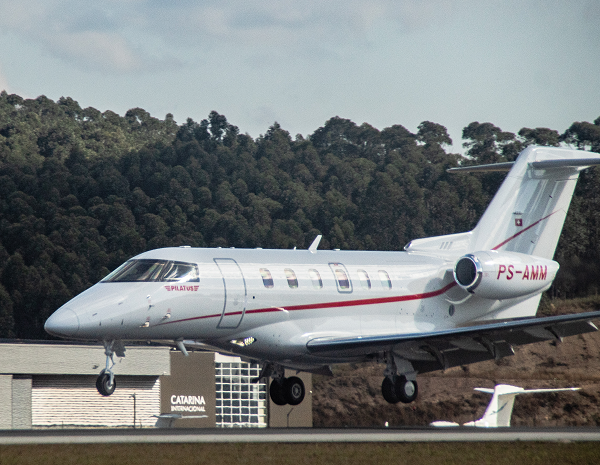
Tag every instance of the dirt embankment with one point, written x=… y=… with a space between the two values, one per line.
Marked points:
x=353 y=396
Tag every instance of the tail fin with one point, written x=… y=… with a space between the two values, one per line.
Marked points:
x=528 y=212
x=499 y=410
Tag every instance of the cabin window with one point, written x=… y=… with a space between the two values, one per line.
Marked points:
x=150 y=270
x=365 y=281
x=315 y=277
x=342 y=279
x=291 y=278
x=267 y=278
x=386 y=282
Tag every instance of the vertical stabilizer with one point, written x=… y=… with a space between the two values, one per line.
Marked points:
x=528 y=212
x=499 y=410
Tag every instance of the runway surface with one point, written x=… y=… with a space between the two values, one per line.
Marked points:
x=306 y=435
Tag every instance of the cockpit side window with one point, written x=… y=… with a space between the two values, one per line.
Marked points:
x=149 y=270
x=180 y=272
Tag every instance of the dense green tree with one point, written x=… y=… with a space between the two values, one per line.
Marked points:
x=82 y=191
x=584 y=135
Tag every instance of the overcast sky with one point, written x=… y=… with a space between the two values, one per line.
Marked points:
x=514 y=63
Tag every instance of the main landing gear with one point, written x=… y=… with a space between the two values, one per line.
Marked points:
x=287 y=391
x=106 y=383
x=399 y=387
x=283 y=391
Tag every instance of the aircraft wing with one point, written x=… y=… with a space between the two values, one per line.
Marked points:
x=447 y=348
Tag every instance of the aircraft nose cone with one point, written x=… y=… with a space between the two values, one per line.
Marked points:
x=63 y=323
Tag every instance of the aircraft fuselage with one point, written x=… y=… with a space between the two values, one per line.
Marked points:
x=280 y=299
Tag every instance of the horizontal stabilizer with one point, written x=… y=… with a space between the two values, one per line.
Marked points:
x=528 y=211
x=518 y=390
x=564 y=163
x=483 y=168
x=538 y=165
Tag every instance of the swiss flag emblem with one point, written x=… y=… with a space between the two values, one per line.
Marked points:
x=518 y=222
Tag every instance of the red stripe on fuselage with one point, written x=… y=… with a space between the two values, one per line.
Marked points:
x=323 y=305
x=354 y=303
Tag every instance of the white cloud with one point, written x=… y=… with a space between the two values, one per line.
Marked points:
x=129 y=36
x=285 y=22
x=85 y=36
x=96 y=49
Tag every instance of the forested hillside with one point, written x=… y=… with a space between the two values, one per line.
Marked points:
x=82 y=191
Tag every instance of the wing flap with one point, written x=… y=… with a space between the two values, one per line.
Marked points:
x=458 y=346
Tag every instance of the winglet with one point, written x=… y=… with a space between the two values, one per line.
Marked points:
x=315 y=244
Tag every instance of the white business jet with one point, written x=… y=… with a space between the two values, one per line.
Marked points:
x=499 y=410
x=443 y=301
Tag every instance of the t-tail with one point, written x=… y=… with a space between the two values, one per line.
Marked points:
x=499 y=410
x=528 y=212
x=507 y=258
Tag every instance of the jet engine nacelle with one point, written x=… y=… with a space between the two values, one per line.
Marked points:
x=503 y=275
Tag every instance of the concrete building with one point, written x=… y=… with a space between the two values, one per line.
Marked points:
x=54 y=385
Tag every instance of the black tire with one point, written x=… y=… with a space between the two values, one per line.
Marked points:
x=103 y=384
x=294 y=390
x=388 y=389
x=406 y=390
x=276 y=391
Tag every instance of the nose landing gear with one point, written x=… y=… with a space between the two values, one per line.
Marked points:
x=106 y=383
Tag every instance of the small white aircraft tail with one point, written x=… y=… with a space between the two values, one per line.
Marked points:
x=499 y=410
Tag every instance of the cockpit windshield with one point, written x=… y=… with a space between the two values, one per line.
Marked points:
x=149 y=270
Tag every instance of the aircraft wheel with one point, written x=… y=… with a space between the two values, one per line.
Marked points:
x=276 y=391
x=406 y=390
x=388 y=389
x=103 y=384
x=294 y=390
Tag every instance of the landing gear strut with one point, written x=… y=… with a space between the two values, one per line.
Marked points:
x=399 y=387
x=106 y=383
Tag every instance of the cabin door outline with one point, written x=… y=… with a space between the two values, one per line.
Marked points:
x=235 y=293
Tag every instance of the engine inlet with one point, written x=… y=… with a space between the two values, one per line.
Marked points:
x=467 y=272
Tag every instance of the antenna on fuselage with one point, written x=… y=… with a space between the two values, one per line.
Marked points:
x=315 y=244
